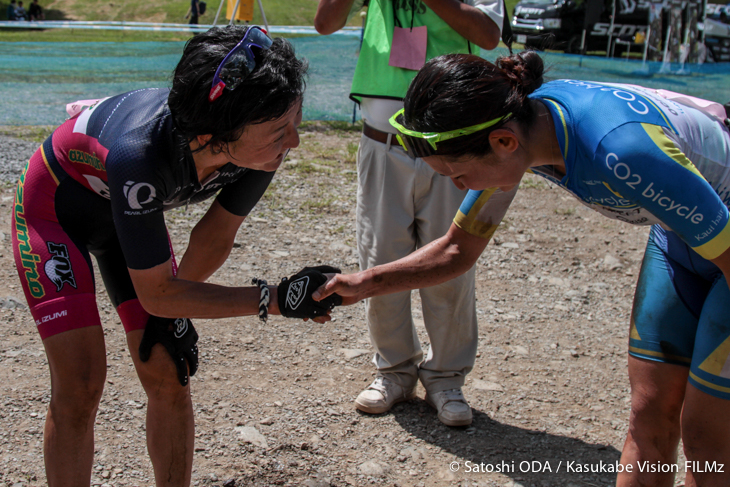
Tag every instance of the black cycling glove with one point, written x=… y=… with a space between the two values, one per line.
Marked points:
x=295 y=293
x=179 y=337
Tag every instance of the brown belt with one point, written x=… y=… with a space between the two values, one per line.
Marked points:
x=375 y=134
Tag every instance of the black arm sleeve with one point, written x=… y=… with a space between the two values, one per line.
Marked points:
x=242 y=195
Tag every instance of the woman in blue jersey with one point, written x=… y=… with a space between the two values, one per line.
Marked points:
x=631 y=154
x=99 y=185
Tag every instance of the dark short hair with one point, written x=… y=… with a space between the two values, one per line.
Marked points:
x=274 y=86
x=460 y=90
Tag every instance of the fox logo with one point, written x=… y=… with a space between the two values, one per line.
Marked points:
x=297 y=291
x=58 y=268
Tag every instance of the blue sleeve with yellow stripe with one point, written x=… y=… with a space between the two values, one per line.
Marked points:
x=482 y=211
x=638 y=162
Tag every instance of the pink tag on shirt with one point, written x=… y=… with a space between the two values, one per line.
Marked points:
x=408 y=49
x=711 y=108
x=76 y=107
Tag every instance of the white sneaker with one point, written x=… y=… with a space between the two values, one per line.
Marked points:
x=453 y=410
x=381 y=395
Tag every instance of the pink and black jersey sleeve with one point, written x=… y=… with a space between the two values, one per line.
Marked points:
x=126 y=149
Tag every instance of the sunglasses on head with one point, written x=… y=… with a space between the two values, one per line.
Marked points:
x=239 y=63
x=423 y=144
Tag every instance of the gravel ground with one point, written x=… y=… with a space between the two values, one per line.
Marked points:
x=14 y=154
x=273 y=403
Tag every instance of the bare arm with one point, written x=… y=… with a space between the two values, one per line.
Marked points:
x=210 y=243
x=163 y=294
x=470 y=22
x=331 y=15
x=441 y=260
x=170 y=296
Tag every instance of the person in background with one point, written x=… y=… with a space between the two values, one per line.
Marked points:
x=633 y=154
x=193 y=12
x=35 y=12
x=402 y=204
x=99 y=185
x=20 y=12
x=11 y=10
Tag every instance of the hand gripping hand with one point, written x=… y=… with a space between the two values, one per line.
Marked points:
x=295 y=293
x=179 y=337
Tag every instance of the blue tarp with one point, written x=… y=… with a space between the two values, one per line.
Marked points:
x=37 y=79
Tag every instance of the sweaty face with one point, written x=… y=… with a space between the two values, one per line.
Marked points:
x=263 y=146
x=478 y=173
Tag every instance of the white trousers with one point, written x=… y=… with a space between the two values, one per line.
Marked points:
x=403 y=204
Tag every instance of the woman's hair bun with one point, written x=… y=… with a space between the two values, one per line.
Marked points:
x=524 y=70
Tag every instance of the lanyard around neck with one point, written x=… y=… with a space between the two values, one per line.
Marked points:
x=395 y=13
x=413 y=16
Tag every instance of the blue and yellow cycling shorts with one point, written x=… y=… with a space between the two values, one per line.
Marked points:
x=681 y=313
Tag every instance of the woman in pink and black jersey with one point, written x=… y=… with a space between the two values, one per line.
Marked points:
x=99 y=185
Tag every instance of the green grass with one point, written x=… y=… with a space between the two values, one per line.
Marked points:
x=33 y=133
x=304 y=167
x=317 y=205
x=531 y=182
x=278 y=12
x=331 y=126
x=88 y=35
x=351 y=152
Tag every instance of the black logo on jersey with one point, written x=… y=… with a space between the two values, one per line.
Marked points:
x=58 y=268
x=136 y=191
x=297 y=291
x=418 y=6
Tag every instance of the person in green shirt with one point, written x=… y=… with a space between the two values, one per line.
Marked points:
x=402 y=204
